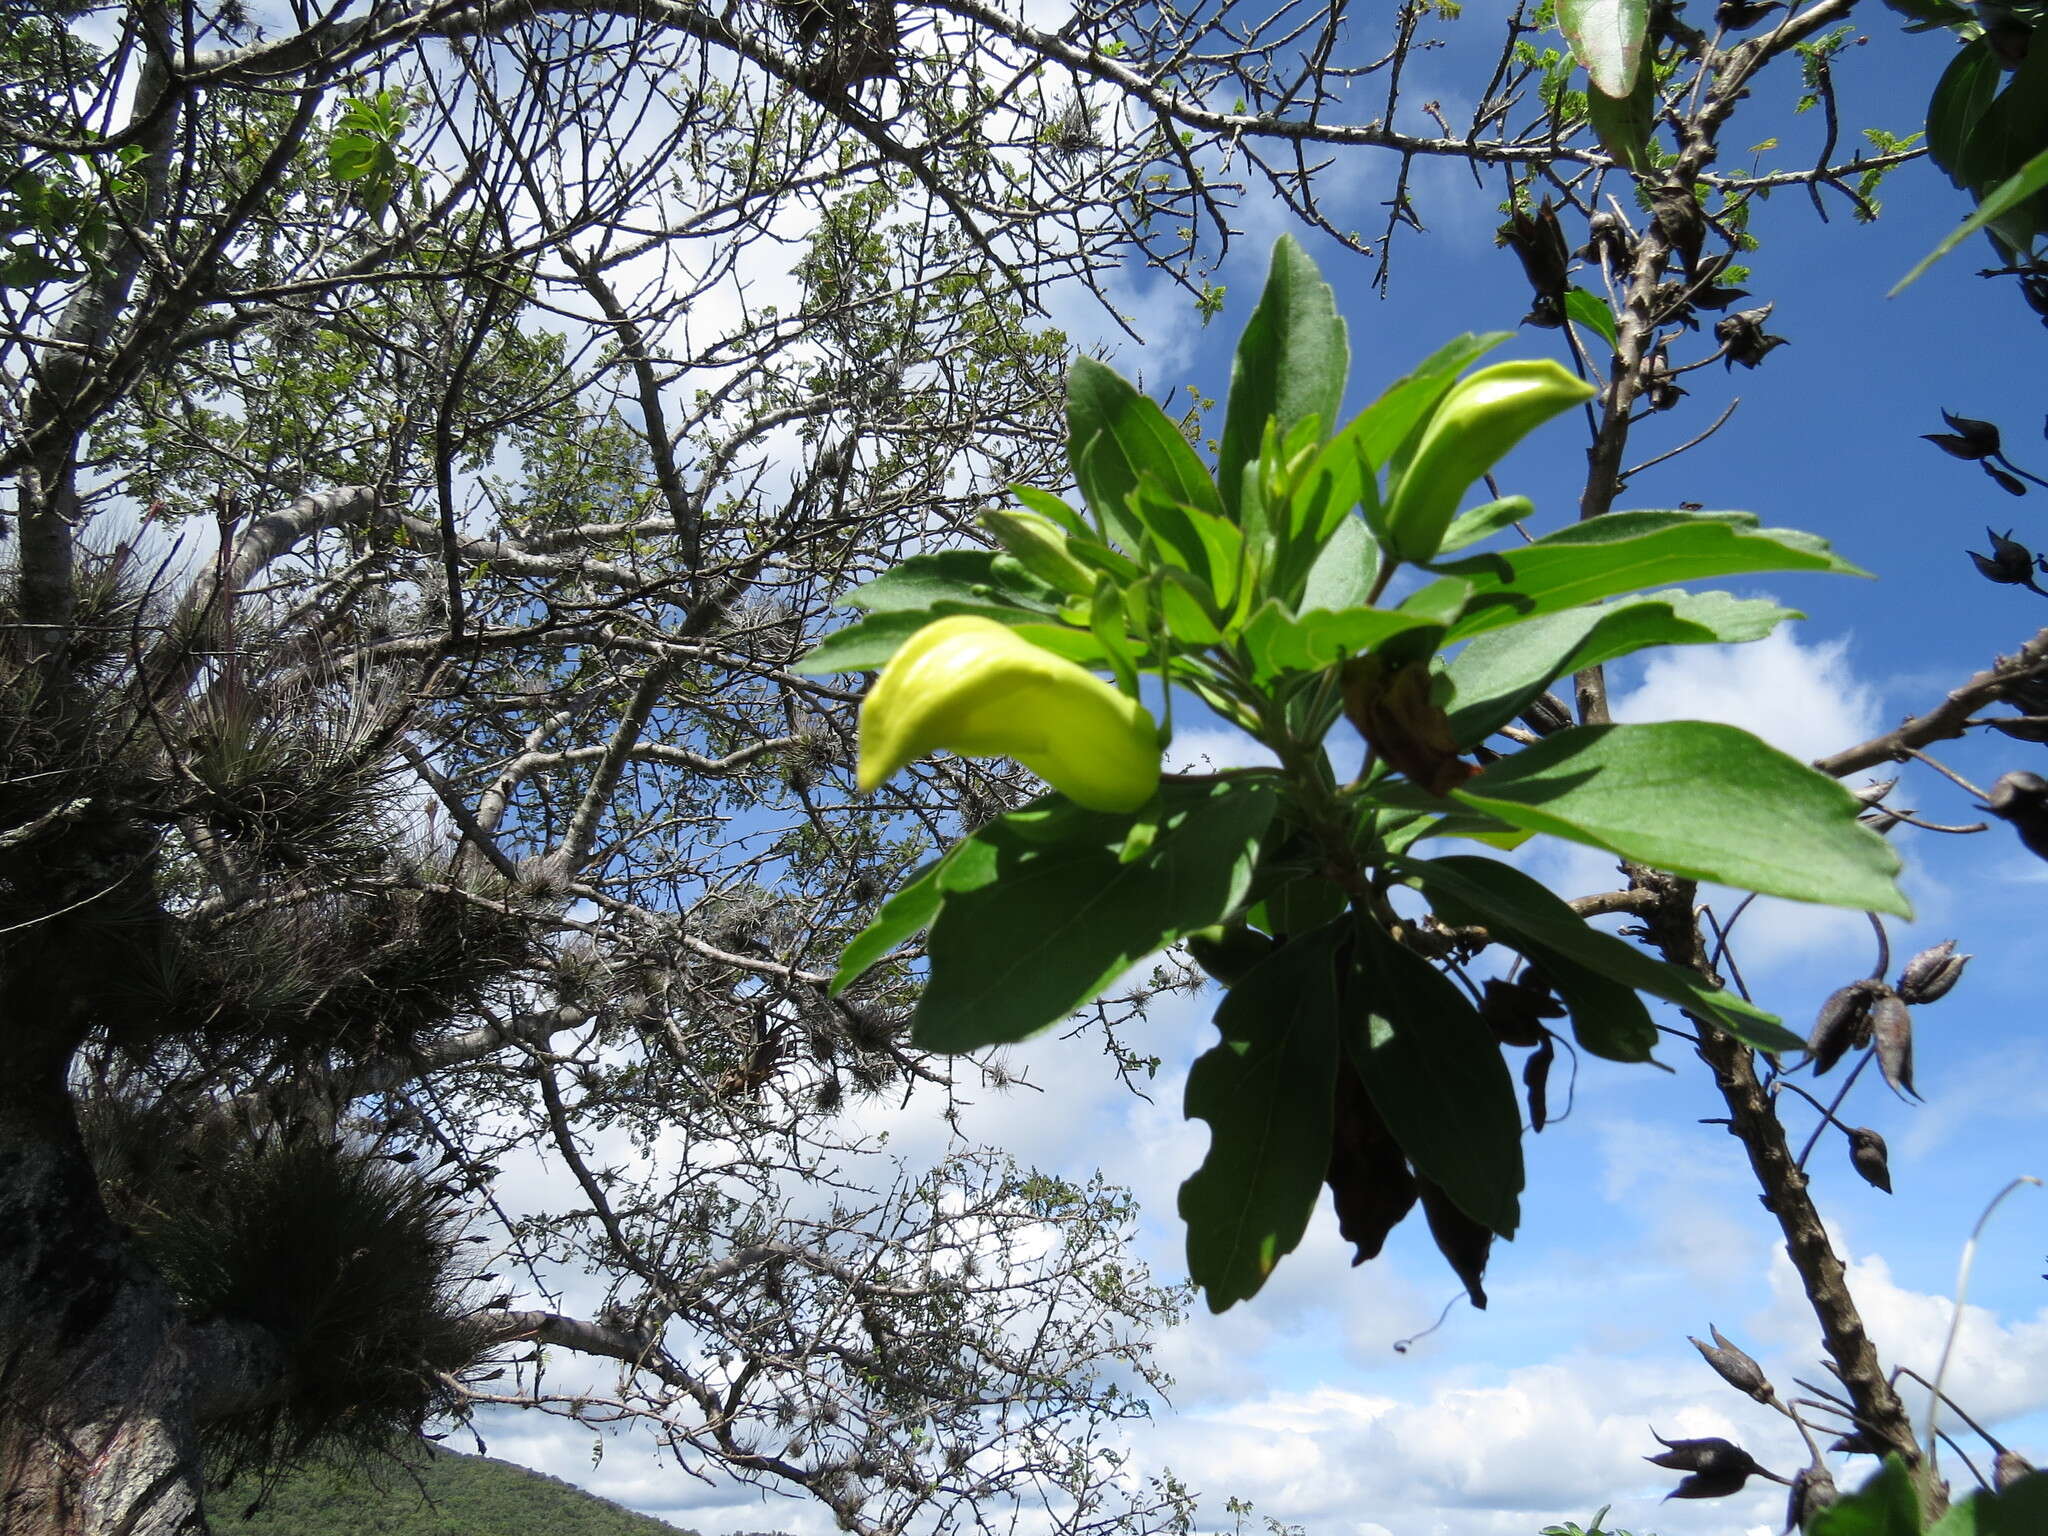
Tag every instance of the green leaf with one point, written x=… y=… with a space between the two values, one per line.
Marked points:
x=865 y=646
x=1338 y=482
x=1344 y=570
x=1593 y=312
x=1048 y=918
x=1436 y=1075
x=2029 y=180
x=2022 y=1510
x=1483 y=522
x=1927 y=14
x=1520 y=911
x=1705 y=801
x=1127 y=438
x=1966 y=88
x=1045 y=504
x=1607 y=38
x=1268 y=1091
x=1621 y=552
x=969 y=576
x=1887 y=1505
x=1291 y=362
x=1279 y=644
x=1624 y=124
x=910 y=911
x=1496 y=675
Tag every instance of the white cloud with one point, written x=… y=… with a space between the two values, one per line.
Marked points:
x=1803 y=699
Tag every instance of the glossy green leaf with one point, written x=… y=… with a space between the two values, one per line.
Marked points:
x=2022 y=1510
x=1887 y=1505
x=2027 y=182
x=1045 y=504
x=1435 y=1073
x=969 y=576
x=1520 y=910
x=1624 y=124
x=1050 y=918
x=1607 y=38
x=865 y=646
x=1706 y=801
x=1119 y=437
x=1483 y=522
x=1279 y=643
x=1621 y=552
x=1344 y=571
x=1290 y=364
x=1268 y=1091
x=1338 y=484
x=907 y=913
x=1593 y=312
x=1496 y=675
x=1965 y=90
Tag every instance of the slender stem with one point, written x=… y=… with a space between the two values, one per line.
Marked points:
x=1955 y=1322
x=1849 y=1082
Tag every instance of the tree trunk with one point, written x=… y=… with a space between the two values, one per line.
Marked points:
x=97 y=1366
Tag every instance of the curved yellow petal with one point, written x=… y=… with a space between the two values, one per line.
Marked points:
x=974 y=686
x=1484 y=415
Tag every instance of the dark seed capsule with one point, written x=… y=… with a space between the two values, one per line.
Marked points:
x=1891 y=1023
x=2022 y=799
x=1734 y=1367
x=2008 y=1469
x=1929 y=975
x=1844 y=1023
x=1868 y=1154
x=1813 y=1490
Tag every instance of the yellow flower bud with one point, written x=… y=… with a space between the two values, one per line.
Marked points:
x=973 y=686
x=1474 y=426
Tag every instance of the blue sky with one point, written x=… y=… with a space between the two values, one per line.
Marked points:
x=1641 y=1224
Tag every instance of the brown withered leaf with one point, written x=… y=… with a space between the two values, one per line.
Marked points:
x=1369 y=1179
x=1462 y=1241
x=1392 y=707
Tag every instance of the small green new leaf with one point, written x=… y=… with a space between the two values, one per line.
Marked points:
x=2021 y=1510
x=1041 y=916
x=1121 y=438
x=1705 y=801
x=1291 y=363
x=1268 y=1091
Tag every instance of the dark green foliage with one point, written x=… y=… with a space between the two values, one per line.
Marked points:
x=350 y=1262
x=443 y=1495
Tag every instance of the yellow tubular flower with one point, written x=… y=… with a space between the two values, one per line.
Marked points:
x=973 y=686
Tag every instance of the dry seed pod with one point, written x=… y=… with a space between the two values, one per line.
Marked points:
x=2022 y=799
x=1872 y=793
x=2008 y=1469
x=1734 y=1367
x=1718 y=1467
x=1515 y=1010
x=1857 y=1443
x=1844 y=1023
x=1813 y=1490
x=1872 y=1161
x=1891 y=1022
x=1929 y=975
x=1536 y=1079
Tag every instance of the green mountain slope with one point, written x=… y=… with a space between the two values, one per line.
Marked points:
x=454 y=1495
